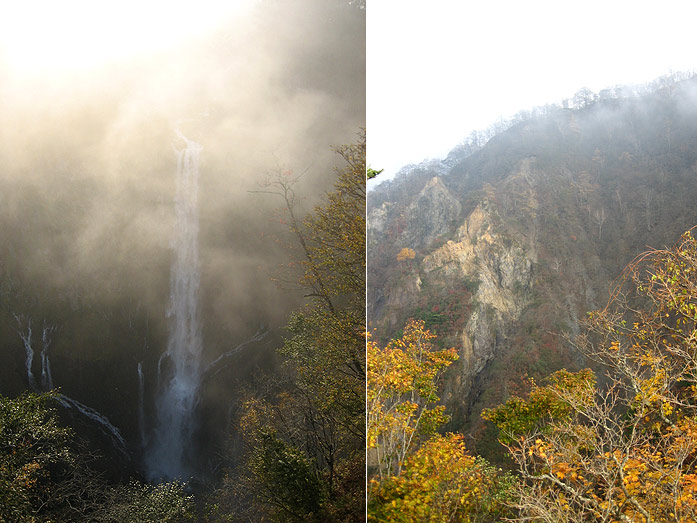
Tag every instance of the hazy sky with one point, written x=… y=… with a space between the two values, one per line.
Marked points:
x=43 y=36
x=438 y=70
x=91 y=97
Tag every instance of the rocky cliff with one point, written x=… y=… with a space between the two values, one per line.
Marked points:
x=515 y=241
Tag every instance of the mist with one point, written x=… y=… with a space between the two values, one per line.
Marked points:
x=87 y=185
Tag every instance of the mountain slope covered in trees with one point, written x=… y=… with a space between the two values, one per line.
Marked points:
x=504 y=246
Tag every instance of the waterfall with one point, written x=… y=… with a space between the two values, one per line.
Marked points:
x=29 y=351
x=106 y=426
x=141 y=404
x=179 y=369
x=47 y=383
x=218 y=364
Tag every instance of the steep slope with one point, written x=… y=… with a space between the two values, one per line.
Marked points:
x=515 y=241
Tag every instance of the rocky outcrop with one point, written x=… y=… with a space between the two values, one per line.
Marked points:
x=377 y=218
x=431 y=214
x=502 y=270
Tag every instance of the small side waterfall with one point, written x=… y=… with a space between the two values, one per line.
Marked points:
x=219 y=363
x=46 y=380
x=29 y=352
x=107 y=427
x=47 y=383
x=179 y=368
x=46 y=377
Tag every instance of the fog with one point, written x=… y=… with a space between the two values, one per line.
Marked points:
x=87 y=182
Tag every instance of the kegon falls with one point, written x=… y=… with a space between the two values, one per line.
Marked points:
x=179 y=368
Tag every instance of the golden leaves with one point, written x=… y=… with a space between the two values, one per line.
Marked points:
x=402 y=393
x=406 y=254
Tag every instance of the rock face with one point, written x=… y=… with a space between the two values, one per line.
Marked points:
x=503 y=270
x=517 y=241
x=430 y=215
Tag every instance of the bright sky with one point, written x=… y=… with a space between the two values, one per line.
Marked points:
x=49 y=37
x=439 y=69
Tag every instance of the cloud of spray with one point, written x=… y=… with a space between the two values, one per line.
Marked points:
x=278 y=86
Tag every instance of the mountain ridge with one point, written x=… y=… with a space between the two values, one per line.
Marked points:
x=516 y=239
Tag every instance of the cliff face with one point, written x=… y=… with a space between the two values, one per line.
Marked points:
x=430 y=214
x=516 y=242
x=503 y=272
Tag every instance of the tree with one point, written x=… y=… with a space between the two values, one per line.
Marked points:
x=34 y=450
x=420 y=475
x=327 y=346
x=372 y=173
x=305 y=445
x=625 y=450
x=441 y=481
x=44 y=474
x=141 y=503
x=402 y=401
x=406 y=254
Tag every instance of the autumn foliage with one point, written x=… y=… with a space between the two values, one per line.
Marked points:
x=442 y=482
x=303 y=438
x=625 y=450
x=418 y=474
x=406 y=254
x=402 y=395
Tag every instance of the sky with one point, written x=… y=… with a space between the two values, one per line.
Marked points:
x=74 y=35
x=438 y=70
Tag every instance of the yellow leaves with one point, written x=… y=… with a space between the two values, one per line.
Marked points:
x=562 y=469
x=653 y=387
x=402 y=393
x=406 y=254
x=633 y=469
x=542 y=449
x=666 y=408
x=28 y=474
x=439 y=482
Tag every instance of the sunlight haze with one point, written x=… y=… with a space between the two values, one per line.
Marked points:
x=37 y=37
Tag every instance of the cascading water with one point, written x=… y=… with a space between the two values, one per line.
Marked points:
x=29 y=351
x=219 y=363
x=47 y=384
x=106 y=426
x=179 y=369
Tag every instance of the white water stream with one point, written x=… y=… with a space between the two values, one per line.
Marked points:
x=179 y=369
x=47 y=383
